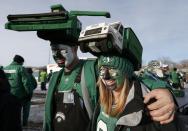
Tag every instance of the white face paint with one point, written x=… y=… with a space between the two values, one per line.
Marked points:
x=68 y=54
x=63 y=54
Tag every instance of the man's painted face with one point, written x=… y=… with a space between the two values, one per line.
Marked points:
x=62 y=54
x=111 y=77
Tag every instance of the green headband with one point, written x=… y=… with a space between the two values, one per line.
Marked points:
x=117 y=62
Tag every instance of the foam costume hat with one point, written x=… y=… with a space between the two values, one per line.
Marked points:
x=116 y=62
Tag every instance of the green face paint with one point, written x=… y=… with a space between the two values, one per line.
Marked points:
x=107 y=73
x=120 y=79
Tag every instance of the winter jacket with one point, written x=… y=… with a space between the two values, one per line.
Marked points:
x=43 y=76
x=175 y=77
x=134 y=117
x=19 y=80
x=10 y=107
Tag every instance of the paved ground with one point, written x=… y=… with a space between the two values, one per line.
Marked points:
x=37 y=109
x=183 y=100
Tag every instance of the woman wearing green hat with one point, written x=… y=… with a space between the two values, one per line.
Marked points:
x=121 y=106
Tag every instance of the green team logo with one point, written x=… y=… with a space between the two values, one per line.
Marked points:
x=107 y=60
x=101 y=126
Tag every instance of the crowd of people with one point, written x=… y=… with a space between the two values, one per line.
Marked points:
x=173 y=77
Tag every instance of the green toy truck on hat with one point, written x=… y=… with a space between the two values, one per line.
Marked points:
x=59 y=24
x=112 y=38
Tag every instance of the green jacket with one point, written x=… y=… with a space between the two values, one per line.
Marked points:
x=175 y=77
x=43 y=76
x=19 y=80
x=152 y=82
x=89 y=72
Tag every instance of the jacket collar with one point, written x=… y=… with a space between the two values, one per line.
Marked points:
x=134 y=107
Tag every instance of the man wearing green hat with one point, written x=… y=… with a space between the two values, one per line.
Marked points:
x=68 y=105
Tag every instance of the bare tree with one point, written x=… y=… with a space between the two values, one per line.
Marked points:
x=184 y=63
x=167 y=61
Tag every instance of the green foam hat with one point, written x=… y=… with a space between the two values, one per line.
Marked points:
x=117 y=62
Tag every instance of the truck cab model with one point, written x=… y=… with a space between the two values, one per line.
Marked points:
x=103 y=31
x=112 y=39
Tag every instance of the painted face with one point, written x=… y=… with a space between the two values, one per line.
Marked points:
x=111 y=77
x=62 y=54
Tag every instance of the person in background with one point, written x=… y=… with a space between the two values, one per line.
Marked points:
x=27 y=104
x=43 y=79
x=10 y=107
x=175 y=78
x=121 y=103
x=20 y=85
x=165 y=70
x=49 y=75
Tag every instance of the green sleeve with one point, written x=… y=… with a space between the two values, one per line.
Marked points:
x=153 y=82
x=91 y=79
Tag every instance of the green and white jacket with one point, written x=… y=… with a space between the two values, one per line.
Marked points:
x=19 y=80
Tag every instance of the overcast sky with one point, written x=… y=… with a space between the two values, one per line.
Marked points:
x=160 y=25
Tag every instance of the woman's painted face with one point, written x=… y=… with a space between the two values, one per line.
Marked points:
x=112 y=78
x=62 y=54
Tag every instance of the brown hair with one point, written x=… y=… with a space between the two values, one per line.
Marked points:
x=106 y=98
